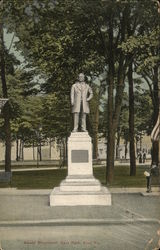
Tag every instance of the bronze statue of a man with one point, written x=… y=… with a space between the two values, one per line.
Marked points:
x=81 y=94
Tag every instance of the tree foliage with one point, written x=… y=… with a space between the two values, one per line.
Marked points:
x=58 y=40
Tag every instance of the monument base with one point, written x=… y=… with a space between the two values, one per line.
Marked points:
x=80 y=188
x=80 y=191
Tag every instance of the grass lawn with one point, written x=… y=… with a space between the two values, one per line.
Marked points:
x=47 y=179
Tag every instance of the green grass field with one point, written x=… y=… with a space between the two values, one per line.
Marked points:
x=47 y=179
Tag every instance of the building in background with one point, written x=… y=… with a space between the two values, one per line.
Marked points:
x=48 y=152
x=143 y=145
x=54 y=151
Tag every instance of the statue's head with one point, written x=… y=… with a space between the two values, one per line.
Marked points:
x=81 y=77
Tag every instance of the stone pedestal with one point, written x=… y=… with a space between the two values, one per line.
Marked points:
x=80 y=187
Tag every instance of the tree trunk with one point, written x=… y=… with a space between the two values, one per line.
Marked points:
x=131 y=123
x=8 y=140
x=140 y=142
x=110 y=156
x=155 y=145
x=95 y=134
x=64 y=152
x=17 y=148
x=136 y=147
x=61 y=154
x=50 y=148
x=39 y=155
x=33 y=151
x=40 y=151
x=111 y=133
x=114 y=110
x=22 y=150
x=95 y=146
x=113 y=117
x=66 y=149
x=126 y=149
x=155 y=95
x=155 y=152
x=110 y=136
x=6 y=109
x=117 y=145
x=93 y=121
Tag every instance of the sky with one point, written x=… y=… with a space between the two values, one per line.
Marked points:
x=7 y=39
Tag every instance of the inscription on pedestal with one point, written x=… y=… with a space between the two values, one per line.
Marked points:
x=78 y=156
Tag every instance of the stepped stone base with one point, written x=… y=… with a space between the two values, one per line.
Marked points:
x=80 y=188
x=80 y=191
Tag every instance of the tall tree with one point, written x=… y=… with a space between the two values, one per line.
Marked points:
x=6 y=110
x=117 y=65
x=144 y=47
x=131 y=122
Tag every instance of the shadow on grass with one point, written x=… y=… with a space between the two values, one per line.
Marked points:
x=39 y=179
x=48 y=179
x=122 y=176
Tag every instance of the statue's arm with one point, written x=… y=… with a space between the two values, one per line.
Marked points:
x=90 y=94
x=72 y=95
